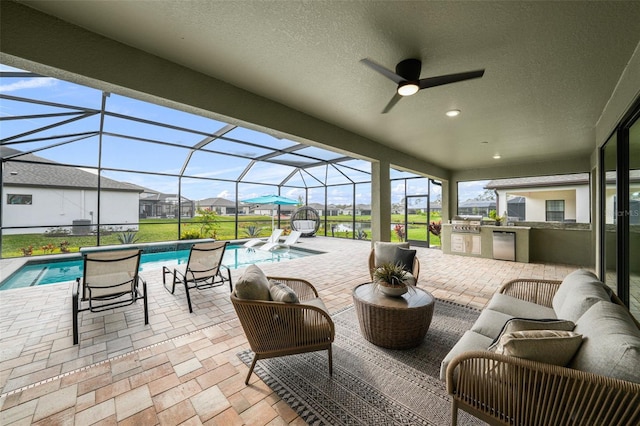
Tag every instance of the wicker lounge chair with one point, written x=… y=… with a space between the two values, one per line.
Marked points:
x=277 y=328
x=291 y=239
x=110 y=280
x=273 y=238
x=204 y=269
x=385 y=254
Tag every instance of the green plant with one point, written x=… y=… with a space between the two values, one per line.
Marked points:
x=64 y=246
x=361 y=235
x=208 y=221
x=390 y=274
x=253 y=231
x=27 y=251
x=190 y=234
x=494 y=215
x=127 y=237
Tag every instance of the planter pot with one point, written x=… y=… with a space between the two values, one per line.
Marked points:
x=393 y=291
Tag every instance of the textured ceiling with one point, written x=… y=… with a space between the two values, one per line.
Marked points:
x=550 y=66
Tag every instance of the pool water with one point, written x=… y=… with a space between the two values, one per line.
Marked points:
x=61 y=271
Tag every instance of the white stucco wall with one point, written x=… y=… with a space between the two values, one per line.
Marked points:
x=54 y=207
x=576 y=202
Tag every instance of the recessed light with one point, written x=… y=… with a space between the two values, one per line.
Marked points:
x=496 y=156
x=453 y=113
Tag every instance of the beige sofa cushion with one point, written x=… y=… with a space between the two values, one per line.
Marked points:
x=490 y=322
x=611 y=345
x=524 y=324
x=519 y=308
x=579 y=291
x=549 y=346
x=470 y=341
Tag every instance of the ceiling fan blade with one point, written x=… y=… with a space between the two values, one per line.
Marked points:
x=425 y=83
x=391 y=103
x=382 y=70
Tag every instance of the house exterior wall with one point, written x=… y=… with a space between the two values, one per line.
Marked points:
x=576 y=202
x=58 y=207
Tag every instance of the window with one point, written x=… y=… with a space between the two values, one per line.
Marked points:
x=18 y=199
x=555 y=210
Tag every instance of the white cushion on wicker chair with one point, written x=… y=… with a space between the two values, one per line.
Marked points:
x=386 y=252
x=253 y=285
x=281 y=292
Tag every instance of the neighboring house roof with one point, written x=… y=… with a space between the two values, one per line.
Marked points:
x=478 y=203
x=31 y=170
x=540 y=181
x=216 y=201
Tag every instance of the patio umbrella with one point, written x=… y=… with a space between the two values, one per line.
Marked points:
x=271 y=199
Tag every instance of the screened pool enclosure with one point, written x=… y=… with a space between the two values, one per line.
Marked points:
x=83 y=167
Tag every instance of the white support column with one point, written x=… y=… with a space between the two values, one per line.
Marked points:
x=380 y=201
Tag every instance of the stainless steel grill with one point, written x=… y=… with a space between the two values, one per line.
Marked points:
x=466 y=224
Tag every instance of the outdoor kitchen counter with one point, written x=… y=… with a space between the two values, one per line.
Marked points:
x=485 y=240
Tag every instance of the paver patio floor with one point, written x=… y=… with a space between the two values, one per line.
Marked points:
x=182 y=368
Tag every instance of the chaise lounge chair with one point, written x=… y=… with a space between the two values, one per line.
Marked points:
x=110 y=280
x=203 y=269
x=288 y=242
x=273 y=238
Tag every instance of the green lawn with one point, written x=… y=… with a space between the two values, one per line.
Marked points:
x=153 y=230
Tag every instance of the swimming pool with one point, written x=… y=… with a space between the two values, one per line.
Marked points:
x=52 y=272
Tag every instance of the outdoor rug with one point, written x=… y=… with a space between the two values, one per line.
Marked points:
x=371 y=385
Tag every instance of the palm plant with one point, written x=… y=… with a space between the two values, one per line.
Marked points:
x=253 y=231
x=127 y=237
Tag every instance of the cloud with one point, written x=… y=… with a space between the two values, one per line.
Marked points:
x=33 y=83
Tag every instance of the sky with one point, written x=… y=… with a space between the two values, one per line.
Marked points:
x=136 y=153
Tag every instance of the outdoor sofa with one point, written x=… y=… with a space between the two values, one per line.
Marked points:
x=520 y=364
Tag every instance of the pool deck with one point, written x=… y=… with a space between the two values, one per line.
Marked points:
x=183 y=368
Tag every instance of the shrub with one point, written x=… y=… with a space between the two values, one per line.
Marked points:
x=127 y=237
x=253 y=231
x=190 y=234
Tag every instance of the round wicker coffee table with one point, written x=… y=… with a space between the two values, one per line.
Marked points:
x=393 y=322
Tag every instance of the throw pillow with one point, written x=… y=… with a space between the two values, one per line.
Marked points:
x=280 y=292
x=253 y=285
x=385 y=252
x=549 y=346
x=405 y=258
x=523 y=324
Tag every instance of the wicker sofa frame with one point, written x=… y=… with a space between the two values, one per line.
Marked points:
x=276 y=328
x=505 y=390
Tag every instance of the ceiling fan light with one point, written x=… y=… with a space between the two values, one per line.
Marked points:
x=407 y=89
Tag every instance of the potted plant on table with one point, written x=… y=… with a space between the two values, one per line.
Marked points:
x=389 y=278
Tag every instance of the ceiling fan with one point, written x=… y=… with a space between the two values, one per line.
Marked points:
x=407 y=77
